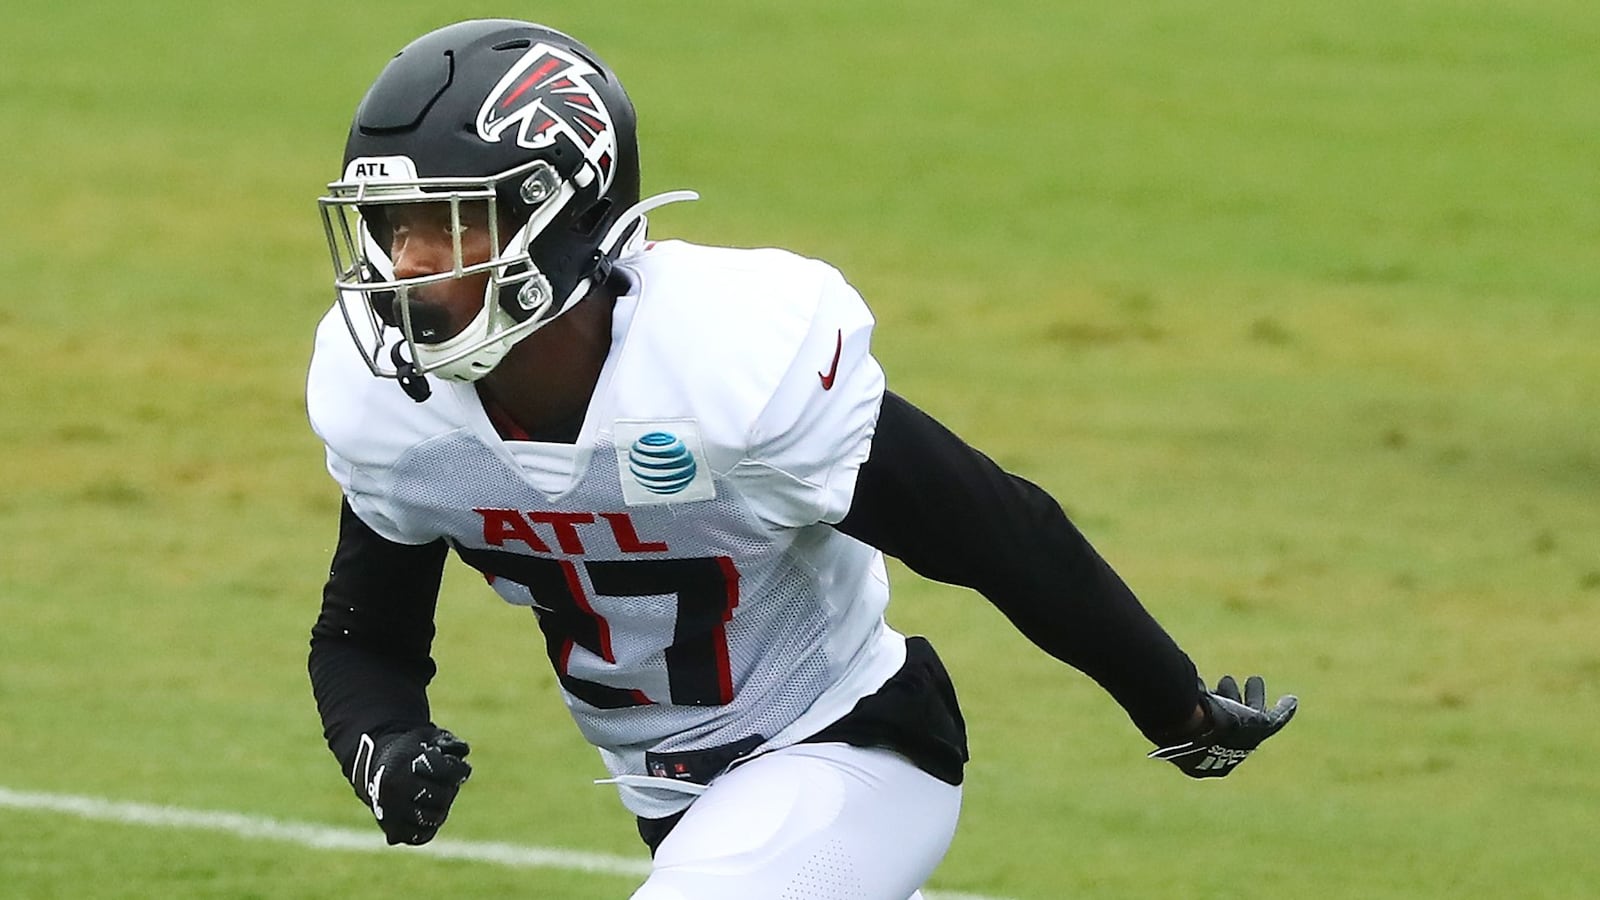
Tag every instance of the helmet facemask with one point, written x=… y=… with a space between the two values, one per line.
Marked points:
x=518 y=297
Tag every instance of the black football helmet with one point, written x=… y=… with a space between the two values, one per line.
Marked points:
x=509 y=114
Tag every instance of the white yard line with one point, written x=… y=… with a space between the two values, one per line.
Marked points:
x=322 y=837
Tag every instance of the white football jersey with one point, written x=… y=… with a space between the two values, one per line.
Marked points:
x=690 y=592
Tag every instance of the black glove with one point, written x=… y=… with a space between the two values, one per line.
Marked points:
x=409 y=779
x=1234 y=727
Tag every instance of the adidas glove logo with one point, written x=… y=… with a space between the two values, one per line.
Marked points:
x=1219 y=757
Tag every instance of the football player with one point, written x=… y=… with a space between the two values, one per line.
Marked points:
x=684 y=461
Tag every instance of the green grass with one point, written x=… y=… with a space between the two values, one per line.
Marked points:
x=1292 y=306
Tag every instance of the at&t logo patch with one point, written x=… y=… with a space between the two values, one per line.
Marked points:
x=662 y=462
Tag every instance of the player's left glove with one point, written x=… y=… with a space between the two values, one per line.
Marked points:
x=409 y=780
x=1235 y=727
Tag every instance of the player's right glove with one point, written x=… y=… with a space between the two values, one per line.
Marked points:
x=1235 y=726
x=409 y=779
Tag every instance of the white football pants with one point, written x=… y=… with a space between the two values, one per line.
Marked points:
x=809 y=822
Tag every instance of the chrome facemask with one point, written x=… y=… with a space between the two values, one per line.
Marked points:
x=365 y=285
x=368 y=291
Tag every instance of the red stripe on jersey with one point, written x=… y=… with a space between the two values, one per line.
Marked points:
x=602 y=628
x=730 y=575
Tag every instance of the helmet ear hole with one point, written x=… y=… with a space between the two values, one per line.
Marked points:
x=592 y=218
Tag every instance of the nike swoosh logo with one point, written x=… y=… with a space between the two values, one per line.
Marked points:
x=838 y=345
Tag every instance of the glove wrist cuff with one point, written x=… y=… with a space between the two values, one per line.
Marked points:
x=1199 y=724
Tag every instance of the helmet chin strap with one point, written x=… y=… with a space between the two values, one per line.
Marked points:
x=435 y=358
x=415 y=386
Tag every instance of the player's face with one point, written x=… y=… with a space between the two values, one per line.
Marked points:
x=423 y=243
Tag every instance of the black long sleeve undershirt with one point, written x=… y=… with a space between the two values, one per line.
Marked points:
x=924 y=496
x=370 y=660
x=951 y=514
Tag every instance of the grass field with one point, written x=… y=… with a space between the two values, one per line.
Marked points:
x=1293 y=306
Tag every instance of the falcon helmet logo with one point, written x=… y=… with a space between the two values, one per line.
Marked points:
x=546 y=95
